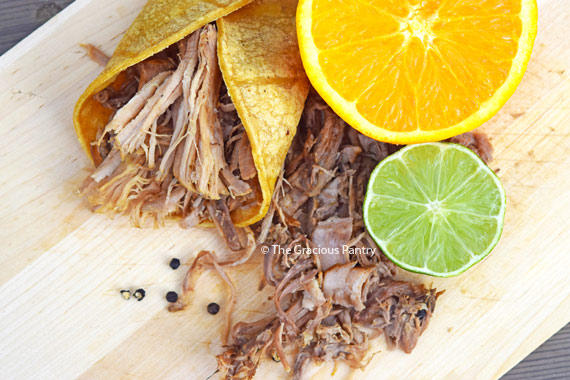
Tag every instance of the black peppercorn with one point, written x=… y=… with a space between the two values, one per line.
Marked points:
x=172 y=296
x=174 y=263
x=213 y=308
x=139 y=294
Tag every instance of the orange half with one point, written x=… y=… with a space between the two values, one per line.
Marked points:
x=410 y=71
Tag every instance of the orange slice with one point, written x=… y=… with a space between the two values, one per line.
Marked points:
x=409 y=71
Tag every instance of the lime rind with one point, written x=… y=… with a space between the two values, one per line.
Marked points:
x=403 y=194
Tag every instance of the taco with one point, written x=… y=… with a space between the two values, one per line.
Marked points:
x=192 y=120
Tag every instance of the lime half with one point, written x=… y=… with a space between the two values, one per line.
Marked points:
x=434 y=208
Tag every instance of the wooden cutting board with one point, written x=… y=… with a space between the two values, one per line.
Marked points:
x=61 y=266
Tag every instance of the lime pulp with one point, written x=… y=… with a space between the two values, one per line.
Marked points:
x=434 y=208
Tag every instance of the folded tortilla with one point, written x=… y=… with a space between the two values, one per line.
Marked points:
x=259 y=59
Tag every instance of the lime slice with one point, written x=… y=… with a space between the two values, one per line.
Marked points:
x=434 y=208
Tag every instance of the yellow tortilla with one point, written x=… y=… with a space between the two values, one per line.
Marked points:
x=260 y=63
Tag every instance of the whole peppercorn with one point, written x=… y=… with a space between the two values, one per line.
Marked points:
x=174 y=263
x=139 y=294
x=213 y=308
x=172 y=296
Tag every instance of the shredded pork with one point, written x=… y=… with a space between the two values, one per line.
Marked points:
x=174 y=145
x=95 y=54
x=476 y=141
x=334 y=290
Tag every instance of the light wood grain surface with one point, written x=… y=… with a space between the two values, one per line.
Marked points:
x=61 y=267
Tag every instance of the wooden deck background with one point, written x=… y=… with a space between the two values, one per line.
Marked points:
x=18 y=18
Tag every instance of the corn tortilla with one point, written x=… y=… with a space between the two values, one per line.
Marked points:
x=260 y=63
x=266 y=81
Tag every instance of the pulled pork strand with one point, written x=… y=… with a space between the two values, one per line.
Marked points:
x=166 y=151
x=95 y=54
x=206 y=260
x=476 y=141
